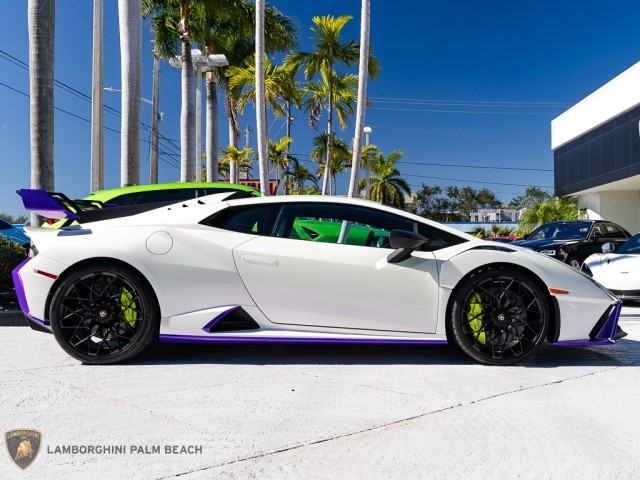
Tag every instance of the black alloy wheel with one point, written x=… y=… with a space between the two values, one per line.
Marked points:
x=104 y=314
x=499 y=316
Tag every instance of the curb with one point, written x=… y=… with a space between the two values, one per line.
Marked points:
x=12 y=318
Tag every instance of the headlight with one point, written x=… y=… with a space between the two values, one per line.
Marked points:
x=562 y=254
x=550 y=253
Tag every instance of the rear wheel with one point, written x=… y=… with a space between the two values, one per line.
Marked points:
x=499 y=316
x=104 y=314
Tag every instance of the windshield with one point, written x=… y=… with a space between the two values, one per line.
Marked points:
x=631 y=246
x=561 y=231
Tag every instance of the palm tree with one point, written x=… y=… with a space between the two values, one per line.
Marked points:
x=41 y=14
x=232 y=34
x=552 y=210
x=329 y=52
x=130 y=20
x=387 y=185
x=280 y=88
x=339 y=159
x=278 y=155
x=187 y=112
x=297 y=176
x=234 y=156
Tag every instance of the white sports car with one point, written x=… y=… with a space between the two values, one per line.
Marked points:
x=296 y=269
x=618 y=269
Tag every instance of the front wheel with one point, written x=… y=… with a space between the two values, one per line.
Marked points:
x=574 y=262
x=499 y=316
x=104 y=314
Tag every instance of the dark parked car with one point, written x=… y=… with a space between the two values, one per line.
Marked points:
x=573 y=241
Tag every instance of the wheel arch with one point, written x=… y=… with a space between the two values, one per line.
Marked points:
x=554 y=316
x=108 y=260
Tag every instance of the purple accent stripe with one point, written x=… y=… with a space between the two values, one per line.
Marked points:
x=583 y=343
x=42 y=203
x=19 y=286
x=22 y=298
x=209 y=326
x=226 y=339
x=605 y=336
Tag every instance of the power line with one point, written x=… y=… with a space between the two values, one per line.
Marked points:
x=478 y=181
x=477 y=166
x=493 y=103
x=461 y=111
x=462 y=134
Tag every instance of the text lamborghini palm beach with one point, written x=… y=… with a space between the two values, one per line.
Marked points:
x=297 y=269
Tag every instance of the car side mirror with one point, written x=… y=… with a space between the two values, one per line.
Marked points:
x=608 y=247
x=405 y=243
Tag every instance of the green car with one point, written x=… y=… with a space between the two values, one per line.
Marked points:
x=160 y=193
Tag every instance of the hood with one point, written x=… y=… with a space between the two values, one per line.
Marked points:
x=543 y=242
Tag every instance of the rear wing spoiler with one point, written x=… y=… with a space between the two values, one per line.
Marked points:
x=58 y=205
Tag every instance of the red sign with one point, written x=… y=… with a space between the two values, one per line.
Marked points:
x=273 y=185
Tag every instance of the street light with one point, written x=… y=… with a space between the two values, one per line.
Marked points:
x=203 y=64
x=153 y=160
x=367 y=132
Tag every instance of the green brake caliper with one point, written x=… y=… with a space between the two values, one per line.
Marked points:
x=475 y=318
x=128 y=307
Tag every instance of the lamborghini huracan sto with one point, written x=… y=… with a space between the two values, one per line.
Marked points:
x=296 y=269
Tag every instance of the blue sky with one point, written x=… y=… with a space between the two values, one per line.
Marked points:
x=468 y=89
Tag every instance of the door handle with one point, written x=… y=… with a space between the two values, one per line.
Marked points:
x=266 y=261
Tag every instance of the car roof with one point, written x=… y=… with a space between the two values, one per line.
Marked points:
x=105 y=195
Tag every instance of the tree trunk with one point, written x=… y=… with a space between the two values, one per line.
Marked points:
x=41 y=15
x=287 y=188
x=327 y=166
x=261 y=120
x=362 y=97
x=234 y=135
x=212 y=146
x=187 y=114
x=130 y=20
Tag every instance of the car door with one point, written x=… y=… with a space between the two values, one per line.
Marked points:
x=325 y=266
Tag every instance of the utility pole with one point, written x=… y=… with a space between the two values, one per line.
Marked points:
x=97 y=100
x=155 y=99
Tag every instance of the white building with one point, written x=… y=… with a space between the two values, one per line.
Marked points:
x=596 y=148
x=495 y=215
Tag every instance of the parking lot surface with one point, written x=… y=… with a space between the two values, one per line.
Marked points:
x=340 y=412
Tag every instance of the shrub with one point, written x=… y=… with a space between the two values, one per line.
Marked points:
x=11 y=254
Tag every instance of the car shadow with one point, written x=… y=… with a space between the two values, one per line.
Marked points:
x=624 y=353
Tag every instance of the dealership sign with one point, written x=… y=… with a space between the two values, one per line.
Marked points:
x=273 y=185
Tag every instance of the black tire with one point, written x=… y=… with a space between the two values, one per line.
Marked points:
x=498 y=316
x=574 y=262
x=104 y=313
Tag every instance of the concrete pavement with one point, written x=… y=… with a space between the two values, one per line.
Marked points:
x=233 y=411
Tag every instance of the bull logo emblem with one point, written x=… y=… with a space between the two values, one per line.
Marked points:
x=23 y=446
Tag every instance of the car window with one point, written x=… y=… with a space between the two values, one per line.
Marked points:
x=245 y=219
x=5 y=225
x=331 y=223
x=561 y=231
x=352 y=225
x=631 y=246
x=613 y=231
